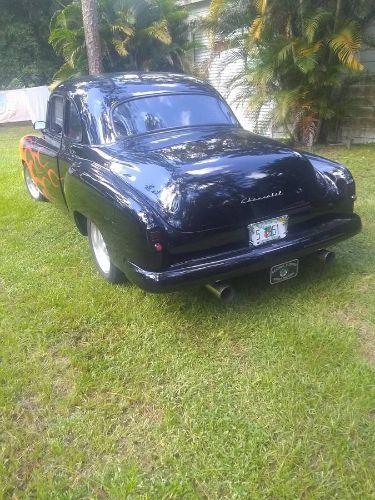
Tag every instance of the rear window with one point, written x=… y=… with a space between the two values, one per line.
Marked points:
x=146 y=114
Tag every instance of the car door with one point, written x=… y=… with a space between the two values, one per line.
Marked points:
x=47 y=151
x=71 y=143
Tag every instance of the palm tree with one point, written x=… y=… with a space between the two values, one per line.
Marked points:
x=92 y=37
x=135 y=35
x=296 y=55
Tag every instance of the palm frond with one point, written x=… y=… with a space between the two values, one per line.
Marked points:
x=309 y=50
x=346 y=44
x=63 y=73
x=76 y=54
x=120 y=47
x=257 y=27
x=122 y=28
x=214 y=9
x=261 y=76
x=314 y=22
x=159 y=30
x=286 y=103
x=66 y=42
x=261 y=6
x=256 y=100
x=69 y=17
x=286 y=51
x=306 y=63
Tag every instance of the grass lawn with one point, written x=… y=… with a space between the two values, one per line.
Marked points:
x=110 y=391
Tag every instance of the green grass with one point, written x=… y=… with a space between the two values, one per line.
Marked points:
x=110 y=391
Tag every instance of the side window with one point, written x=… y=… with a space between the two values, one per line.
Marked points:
x=56 y=114
x=73 y=128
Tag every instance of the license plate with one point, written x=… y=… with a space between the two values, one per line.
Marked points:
x=284 y=271
x=268 y=230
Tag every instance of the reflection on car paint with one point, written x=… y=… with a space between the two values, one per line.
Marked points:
x=174 y=206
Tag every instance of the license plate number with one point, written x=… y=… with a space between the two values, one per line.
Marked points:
x=268 y=230
x=284 y=271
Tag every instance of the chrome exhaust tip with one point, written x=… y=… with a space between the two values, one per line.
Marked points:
x=325 y=256
x=222 y=291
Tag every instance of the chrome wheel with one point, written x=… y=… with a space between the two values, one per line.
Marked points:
x=102 y=257
x=31 y=185
x=100 y=249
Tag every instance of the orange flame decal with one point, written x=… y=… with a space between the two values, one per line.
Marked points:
x=40 y=172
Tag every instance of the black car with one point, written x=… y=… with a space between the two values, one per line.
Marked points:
x=172 y=191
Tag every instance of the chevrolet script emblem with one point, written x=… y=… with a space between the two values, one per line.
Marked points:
x=271 y=195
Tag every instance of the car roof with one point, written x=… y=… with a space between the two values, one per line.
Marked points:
x=95 y=96
x=126 y=85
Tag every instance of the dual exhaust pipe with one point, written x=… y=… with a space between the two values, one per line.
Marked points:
x=325 y=256
x=225 y=292
x=221 y=290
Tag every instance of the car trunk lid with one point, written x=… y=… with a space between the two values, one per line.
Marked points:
x=213 y=177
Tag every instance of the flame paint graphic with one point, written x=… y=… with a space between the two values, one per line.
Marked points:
x=41 y=173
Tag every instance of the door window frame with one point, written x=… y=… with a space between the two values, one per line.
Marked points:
x=69 y=102
x=49 y=116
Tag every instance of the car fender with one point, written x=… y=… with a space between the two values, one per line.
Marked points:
x=93 y=192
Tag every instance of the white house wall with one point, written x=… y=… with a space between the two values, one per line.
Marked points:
x=220 y=70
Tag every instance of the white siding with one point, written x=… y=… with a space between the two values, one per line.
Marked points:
x=197 y=11
x=361 y=128
x=368 y=54
x=223 y=70
x=220 y=69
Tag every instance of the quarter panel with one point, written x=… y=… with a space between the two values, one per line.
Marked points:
x=95 y=192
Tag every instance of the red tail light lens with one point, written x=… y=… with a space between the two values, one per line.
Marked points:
x=155 y=237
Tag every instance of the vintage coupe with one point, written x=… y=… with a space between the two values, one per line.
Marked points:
x=171 y=191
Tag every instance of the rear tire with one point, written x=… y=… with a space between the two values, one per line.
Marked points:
x=31 y=186
x=101 y=255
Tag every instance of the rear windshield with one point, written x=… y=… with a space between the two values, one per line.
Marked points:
x=160 y=112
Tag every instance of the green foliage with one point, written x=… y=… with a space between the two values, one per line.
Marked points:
x=299 y=56
x=135 y=35
x=26 y=59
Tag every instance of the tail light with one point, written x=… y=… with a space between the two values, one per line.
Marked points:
x=155 y=238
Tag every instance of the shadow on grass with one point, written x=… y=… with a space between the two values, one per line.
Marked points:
x=253 y=290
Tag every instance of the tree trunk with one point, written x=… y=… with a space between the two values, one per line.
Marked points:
x=301 y=13
x=337 y=15
x=92 y=37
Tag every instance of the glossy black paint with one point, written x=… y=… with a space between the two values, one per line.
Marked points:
x=194 y=190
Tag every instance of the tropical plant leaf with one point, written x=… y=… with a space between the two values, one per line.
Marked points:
x=285 y=103
x=134 y=34
x=261 y=76
x=314 y=22
x=306 y=63
x=286 y=50
x=122 y=28
x=63 y=73
x=159 y=30
x=257 y=27
x=288 y=55
x=346 y=44
x=309 y=50
x=214 y=10
x=261 y=6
